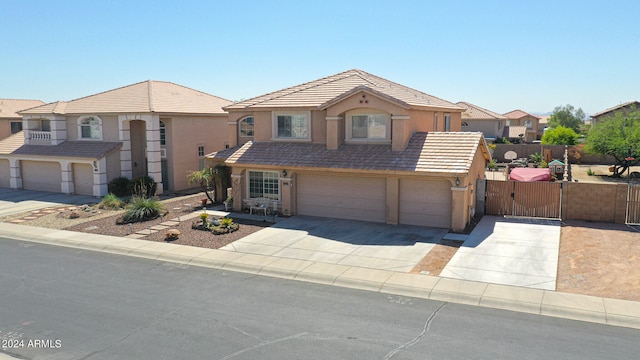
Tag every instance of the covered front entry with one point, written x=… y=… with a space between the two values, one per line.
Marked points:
x=41 y=175
x=425 y=203
x=345 y=197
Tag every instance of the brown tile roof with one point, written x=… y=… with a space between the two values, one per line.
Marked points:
x=323 y=92
x=437 y=152
x=83 y=149
x=144 y=97
x=518 y=114
x=628 y=103
x=9 y=107
x=514 y=131
x=475 y=112
x=11 y=143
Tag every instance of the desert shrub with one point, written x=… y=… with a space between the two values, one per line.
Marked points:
x=226 y=221
x=143 y=186
x=590 y=172
x=111 y=202
x=120 y=186
x=141 y=209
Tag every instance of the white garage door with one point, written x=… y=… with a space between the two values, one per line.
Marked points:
x=342 y=197
x=41 y=175
x=4 y=173
x=425 y=203
x=83 y=179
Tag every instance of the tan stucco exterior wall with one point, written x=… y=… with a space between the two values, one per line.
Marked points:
x=5 y=128
x=5 y=174
x=490 y=128
x=113 y=165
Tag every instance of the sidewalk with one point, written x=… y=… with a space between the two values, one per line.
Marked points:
x=536 y=301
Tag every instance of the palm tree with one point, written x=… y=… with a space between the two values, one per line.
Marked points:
x=205 y=178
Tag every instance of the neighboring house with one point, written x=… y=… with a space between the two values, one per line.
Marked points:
x=489 y=123
x=150 y=128
x=355 y=146
x=521 y=123
x=10 y=120
x=623 y=108
x=543 y=124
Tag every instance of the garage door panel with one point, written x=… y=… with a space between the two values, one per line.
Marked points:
x=4 y=173
x=425 y=203
x=83 y=179
x=41 y=175
x=342 y=197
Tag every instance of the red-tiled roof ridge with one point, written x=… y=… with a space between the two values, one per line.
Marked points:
x=512 y=114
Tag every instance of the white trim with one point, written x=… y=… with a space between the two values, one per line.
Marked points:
x=400 y=117
x=79 y=122
x=274 y=125
x=367 y=112
x=457 y=188
x=248 y=182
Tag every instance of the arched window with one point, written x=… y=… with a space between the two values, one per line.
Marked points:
x=163 y=133
x=90 y=127
x=246 y=127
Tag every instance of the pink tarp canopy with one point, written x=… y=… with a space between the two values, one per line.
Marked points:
x=530 y=174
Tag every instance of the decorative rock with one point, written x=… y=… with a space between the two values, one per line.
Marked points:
x=173 y=232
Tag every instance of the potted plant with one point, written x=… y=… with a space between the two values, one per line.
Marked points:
x=204 y=201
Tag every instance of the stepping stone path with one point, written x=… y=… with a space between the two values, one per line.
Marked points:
x=35 y=214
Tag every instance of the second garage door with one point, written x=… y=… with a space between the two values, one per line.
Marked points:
x=342 y=197
x=425 y=203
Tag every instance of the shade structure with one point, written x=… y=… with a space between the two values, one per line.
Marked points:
x=530 y=174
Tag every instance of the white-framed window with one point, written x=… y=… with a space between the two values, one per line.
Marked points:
x=292 y=125
x=528 y=124
x=201 y=159
x=264 y=184
x=465 y=124
x=367 y=125
x=246 y=127
x=447 y=122
x=44 y=125
x=435 y=121
x=16 y=126
x=90 y=128
x=163 y=133
x=508 y=123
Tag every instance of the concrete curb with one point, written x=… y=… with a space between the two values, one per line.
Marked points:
x=613 y=312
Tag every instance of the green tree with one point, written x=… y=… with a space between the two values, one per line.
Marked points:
x=205 y=178
x=567 y=116
x=560 y=136
x=617 y=136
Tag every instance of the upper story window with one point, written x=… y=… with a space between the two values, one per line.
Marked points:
x=90 y=127
x=292 y=125
x=45 y=125
x=163 y=133
x=16 y=126
x=528 y=124
x=246 y=127
x=363 y=125
x=465 y=124
x=447 y=122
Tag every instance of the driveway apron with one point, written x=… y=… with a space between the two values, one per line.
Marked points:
x=519 y=252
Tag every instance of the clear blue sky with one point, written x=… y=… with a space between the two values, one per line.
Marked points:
x=502 y=55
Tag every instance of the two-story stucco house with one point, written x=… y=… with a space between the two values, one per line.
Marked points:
x=153 y=128
x=623 y=108
x=521 y=126
x=10 y=120
x=355 y=146
x=476 y=118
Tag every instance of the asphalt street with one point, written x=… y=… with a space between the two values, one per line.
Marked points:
x=61 y=303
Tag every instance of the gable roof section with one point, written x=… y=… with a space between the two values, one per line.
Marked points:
x=143 y=97
x=75 y=149
x=324 y=92
x=436 y=152
x=518 y=114
x=612 y=109
x=11 y=143
x=475 y=112
x=9 y=107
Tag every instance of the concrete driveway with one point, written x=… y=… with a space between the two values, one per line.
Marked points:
x=515 y=252
x=345 y=242
x=17 y=201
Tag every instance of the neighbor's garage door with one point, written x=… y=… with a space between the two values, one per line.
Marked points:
x=41 y=175
x=425 y=203
x=342 y=197
x=83 y=179
x=4 y=173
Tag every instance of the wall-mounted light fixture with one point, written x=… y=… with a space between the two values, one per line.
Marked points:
x=284 y=173
x=457 y=181
x=95 y=166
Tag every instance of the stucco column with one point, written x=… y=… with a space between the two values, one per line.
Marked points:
x=67 y=186
x=58 y=129
x=15 y=180
x=232 y=128
x=400 y=132
x=237 y=185
x=458 y=208
x=333 y=132
x=100 y=185
x=392 y=200
x=125 y=152
x=154 y=161
x=287 y=196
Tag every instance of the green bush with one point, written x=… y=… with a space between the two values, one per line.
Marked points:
x=120 y=186
x=141 y=209
x=111 y=202
x=590 y=172
x=143 y=186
